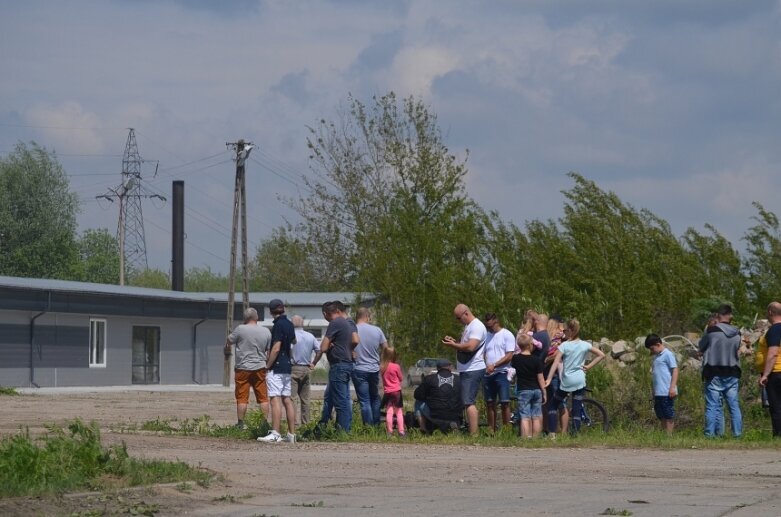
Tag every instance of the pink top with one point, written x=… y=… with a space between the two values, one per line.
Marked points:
x=391 y=379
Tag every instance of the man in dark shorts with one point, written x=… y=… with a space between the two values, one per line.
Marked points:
x=251 y=341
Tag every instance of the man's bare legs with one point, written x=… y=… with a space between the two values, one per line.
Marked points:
x=471 y=417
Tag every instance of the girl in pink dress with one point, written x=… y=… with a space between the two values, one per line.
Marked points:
x=391 y=383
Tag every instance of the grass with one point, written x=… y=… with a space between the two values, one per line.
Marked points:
x=63 y=461
x=203 y=426
x=5 y=390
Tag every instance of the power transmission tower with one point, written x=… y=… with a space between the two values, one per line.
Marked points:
x=130 y=228
x=242 y=149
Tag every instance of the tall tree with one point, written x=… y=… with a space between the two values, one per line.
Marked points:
x=287 y=262
x=154 y=278
x=204 y=280
x=387 y=212
x=37 y=215
x=99 y=253
x=763 y=258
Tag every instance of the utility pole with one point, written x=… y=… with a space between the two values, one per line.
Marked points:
x=130 y=229
x=242 y=150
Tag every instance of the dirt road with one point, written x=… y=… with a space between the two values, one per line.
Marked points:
x=406 y=478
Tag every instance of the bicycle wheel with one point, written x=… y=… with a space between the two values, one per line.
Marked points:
x=593 y=418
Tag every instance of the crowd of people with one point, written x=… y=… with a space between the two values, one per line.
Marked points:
x=543 y=366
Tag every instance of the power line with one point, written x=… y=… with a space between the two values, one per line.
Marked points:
x=66 y=127
x=187 y=241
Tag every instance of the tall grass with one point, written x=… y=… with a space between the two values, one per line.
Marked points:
x=61 y=461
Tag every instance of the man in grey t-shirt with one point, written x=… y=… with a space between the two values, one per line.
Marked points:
x=366 y=374
x=251 y=341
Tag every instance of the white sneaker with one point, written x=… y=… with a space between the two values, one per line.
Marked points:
x=290 y=438
x=271 y=437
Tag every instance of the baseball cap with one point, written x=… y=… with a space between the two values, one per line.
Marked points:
x=444 y=363
x=275 y=305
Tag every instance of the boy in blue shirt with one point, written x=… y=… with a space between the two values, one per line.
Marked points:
x=664 y=371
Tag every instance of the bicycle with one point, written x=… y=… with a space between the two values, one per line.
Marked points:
x=593 y=415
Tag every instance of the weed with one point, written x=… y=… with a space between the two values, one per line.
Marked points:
x=314 y=504
x=5 y=390
x=184 y=486
x=203 y=426
x=226 y=498
x=615 y=511
x=61 y=461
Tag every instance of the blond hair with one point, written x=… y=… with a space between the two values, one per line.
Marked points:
x=525 y=342
x=388 y=356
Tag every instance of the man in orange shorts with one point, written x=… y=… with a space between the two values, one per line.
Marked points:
x=252 y=342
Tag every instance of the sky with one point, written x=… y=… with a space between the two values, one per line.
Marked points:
x=674 y=105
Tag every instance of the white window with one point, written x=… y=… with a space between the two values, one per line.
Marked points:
x=97 y=342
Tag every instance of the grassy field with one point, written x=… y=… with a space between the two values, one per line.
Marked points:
x=74 y=459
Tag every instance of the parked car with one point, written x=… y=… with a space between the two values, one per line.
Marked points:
x=423 y=367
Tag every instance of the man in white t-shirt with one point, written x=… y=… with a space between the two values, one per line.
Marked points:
x=471 y=360
x=499 y=348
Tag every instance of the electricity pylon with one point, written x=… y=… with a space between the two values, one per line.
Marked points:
x=130 y=228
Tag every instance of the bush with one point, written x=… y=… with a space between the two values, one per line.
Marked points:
x=60 y=461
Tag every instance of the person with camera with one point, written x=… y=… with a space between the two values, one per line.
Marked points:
x=471 y=360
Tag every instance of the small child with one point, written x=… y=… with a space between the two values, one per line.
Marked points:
x=664 y=371
x=530 y=385
x=391 y=383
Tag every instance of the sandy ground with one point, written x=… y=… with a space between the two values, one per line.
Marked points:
x=397 y=477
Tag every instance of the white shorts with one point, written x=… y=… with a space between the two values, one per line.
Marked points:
x=278 y=384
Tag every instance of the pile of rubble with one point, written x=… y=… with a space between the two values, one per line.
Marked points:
x=683 y=346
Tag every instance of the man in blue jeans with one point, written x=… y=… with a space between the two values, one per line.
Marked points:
x=366 y=375
x=341 y=337
x=470 y=355
x=721 y=373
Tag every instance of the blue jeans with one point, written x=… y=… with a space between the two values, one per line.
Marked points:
x=560 y=400
x=715 y=389
x=530 y=404
x=496 y=386
x=339 y=394
x=367 y=389
x=470 y=385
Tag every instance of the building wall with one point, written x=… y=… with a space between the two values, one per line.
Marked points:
x=61 y=350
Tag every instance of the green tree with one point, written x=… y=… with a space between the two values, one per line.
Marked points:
x=286 y=262
x=99 y=253
x=386 y=212
x=154 y=278
x=722 y=275
x=204 y=280
x=763 y=258
x=37 y=215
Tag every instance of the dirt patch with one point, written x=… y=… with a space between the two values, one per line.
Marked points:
x=398 y=477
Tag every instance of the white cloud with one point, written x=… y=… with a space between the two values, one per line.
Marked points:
x=68 y=127
x=415 y=68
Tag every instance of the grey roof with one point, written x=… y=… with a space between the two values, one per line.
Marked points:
x=294 y=299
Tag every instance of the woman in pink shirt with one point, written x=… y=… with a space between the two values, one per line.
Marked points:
x=391 y=383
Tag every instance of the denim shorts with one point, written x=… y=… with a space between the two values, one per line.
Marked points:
x=664 y=407
x=496 y=384
x=470 y=384
x=530 y=403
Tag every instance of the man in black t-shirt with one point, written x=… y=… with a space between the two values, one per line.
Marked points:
x=341 y=337
x=771 y=365
x=283 y=336
x=438 y=400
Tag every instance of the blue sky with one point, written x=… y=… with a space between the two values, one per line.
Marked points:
x=674 y=105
